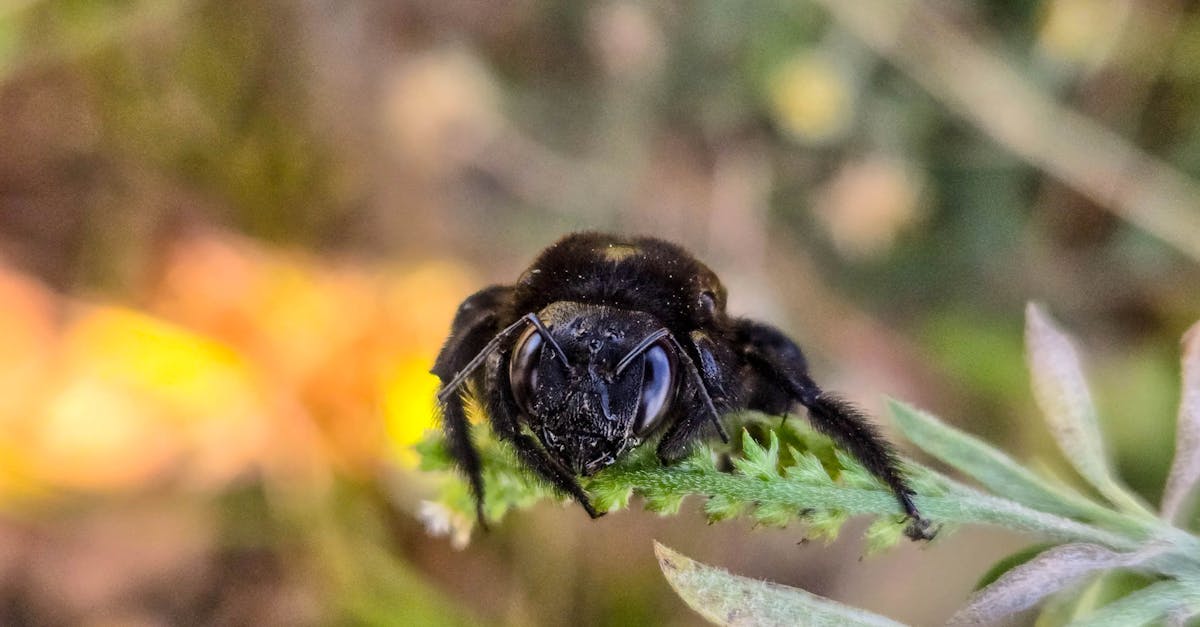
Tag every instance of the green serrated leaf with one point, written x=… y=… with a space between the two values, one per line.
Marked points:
x=432 y=452
x=854 y=475
x=885 y=533
x=700 y=461
x=608 y=497
x=775 y=514
x=757 y=461
x=825 y=524
x=720 y=507
x=807 y=468
x=726 y=599
x=663 y=503
x=495 y=509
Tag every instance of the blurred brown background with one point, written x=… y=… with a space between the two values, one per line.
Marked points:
x=232 y=236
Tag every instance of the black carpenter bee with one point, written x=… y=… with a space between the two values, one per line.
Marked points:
x=607 y=342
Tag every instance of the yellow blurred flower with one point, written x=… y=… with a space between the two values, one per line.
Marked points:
x=421 y=302
x=27 y=338
x=426 y=298
x=1082 y=32
x=281 y=310
x=354 y=345
x=192 y=376
x=811 y=98
x=245 y=357
x=135 y=397
x=97 y=436
x=27 y=343
x=408 y=405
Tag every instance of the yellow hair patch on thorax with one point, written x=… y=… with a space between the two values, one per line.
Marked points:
x=619 y=252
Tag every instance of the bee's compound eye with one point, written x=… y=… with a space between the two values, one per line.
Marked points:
x=708 y=304
x=522 y=367
x=658 y=388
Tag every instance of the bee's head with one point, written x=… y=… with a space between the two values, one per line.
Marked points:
x=594 y=383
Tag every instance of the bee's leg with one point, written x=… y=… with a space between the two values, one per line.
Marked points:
x=503 y=412
x=475 y=325
x=714 y=365
x=458 y=443
x=779 y=363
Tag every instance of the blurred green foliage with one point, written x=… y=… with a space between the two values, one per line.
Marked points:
x=835 y=194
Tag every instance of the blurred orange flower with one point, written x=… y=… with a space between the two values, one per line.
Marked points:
x=242 y=357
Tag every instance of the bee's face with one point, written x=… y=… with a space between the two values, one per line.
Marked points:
x=610 y=387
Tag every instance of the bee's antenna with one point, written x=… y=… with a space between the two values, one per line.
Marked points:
x=700 y=389
x=501 y=337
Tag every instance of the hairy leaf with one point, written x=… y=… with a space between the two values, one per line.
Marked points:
x=1062 y=393
x=727 y=599
x=1181 y=616
x=980 y=461
x=1185 y=470
x=1154 y=602
x=1010 y=562
x=1024 y=586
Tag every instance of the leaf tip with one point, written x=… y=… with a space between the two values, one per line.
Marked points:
x=669 y=560
x=1036 y=312
x=1191 y=338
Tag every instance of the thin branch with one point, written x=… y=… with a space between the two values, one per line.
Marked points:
x=980 y=86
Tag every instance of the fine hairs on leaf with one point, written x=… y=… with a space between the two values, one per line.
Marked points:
x=1062 y=393
x=1185 y=469
x=1025 y=585
x=1152 y=603
x=726 y=599
x=980 y=461
x=784 y=474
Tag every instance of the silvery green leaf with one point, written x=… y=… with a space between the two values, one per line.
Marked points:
x=1024 y=586
x=1152 y=603
x=1062 y=394
x=1185 y=470
x=726 y=599
x=1180 y=616
x=980 y=461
